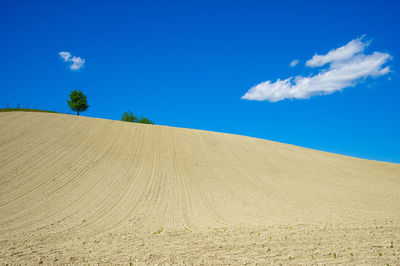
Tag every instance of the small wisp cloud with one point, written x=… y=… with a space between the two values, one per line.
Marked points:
x=294 y=63
x=346 y=66
x=76 y=61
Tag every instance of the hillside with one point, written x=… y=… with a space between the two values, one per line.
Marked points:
x=70 y=185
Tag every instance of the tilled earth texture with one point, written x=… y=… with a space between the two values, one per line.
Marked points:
x=87 y=191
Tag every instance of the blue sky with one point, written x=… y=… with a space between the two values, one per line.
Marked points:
x=189 y=63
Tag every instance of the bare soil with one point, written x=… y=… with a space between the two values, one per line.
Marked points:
x=79 y=190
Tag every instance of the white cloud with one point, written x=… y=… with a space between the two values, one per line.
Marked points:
x=340 y=54
x=347 y=66
x=65 y=55
x=294 y=63
x=77 y=62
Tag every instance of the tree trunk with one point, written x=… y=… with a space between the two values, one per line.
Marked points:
x=78 y=112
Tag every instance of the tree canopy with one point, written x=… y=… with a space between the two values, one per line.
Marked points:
x=144 y=120
x=78 y=102
x=129 y=117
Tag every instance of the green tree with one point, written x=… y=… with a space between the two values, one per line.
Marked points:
x=129 y=117
x=144 y=120
x=77 y=102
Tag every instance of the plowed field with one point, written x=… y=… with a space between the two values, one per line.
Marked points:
x=93 y=191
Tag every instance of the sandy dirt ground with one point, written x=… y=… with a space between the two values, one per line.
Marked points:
x=78 y=190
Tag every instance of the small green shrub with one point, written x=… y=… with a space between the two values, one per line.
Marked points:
x=144 y=120
x=160 y=231
x=129 y=117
